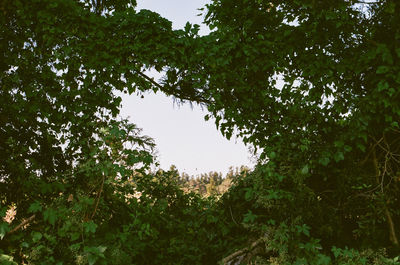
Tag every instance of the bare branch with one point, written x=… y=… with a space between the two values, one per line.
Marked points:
x=240 y=254
x=26 y=221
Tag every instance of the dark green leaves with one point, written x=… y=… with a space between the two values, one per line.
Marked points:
x=36 y=236
x=94 y=253
x=7 y=260
x=339 y=156
x=90 y=227
x=4 y=228
x=35 y=207
x=249 y=217
x=324 y=159
x=303 y=229
x=315 y=81
x=50 y=215
x=382 y=69
x=305 y=170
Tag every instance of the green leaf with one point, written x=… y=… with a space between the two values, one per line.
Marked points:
x=382 y=69
x=273 y=195
x=339 y=156
x=3 y=211
x=94 y=253
x=24 y=245
x=280 y=177
x=7 y=260
x=35 y=207
x=36 y=236
x=101 y=250
x=304 y=170
x=324 y=161
x=75 y=247
x=249 y=194
x=303 y=229
x=339 y=143
x=383 y=85
x=272 y=155
x=347 y=148
x=188 y=26
x=92 y=258
x=74 y=236
x=50 y=216
x=249 y=217
x=336 y=251
x=4 y=228
x=90 y=227
x=211 y=219
x=361 y=147
x=323 y=260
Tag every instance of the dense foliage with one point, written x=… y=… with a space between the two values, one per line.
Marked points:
x=312 y=84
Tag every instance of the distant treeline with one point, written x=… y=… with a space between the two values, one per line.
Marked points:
x=212 y=183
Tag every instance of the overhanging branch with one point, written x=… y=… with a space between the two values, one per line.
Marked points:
x=174 y=92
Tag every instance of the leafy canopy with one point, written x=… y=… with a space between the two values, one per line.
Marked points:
x=313 y=84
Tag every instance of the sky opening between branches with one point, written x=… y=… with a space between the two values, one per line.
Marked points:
x=182 y=135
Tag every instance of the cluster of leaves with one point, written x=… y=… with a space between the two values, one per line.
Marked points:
x=315 y=86
x=76 y=177
x=312 y=84
x=66 y=162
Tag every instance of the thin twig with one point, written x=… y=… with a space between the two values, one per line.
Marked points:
x=392 y=231
x=98 y=198
x=371 y=150
x=230 y=210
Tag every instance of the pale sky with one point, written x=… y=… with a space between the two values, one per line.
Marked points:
x=182 y=136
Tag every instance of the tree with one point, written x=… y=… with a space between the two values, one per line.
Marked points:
x=78 y=177
x=65 y=158
x=315 y=86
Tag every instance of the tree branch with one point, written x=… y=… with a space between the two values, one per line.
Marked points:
x=242 y=253
x=26 y=221
x=197 y=99
x=392 y=231
x=98 y=198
